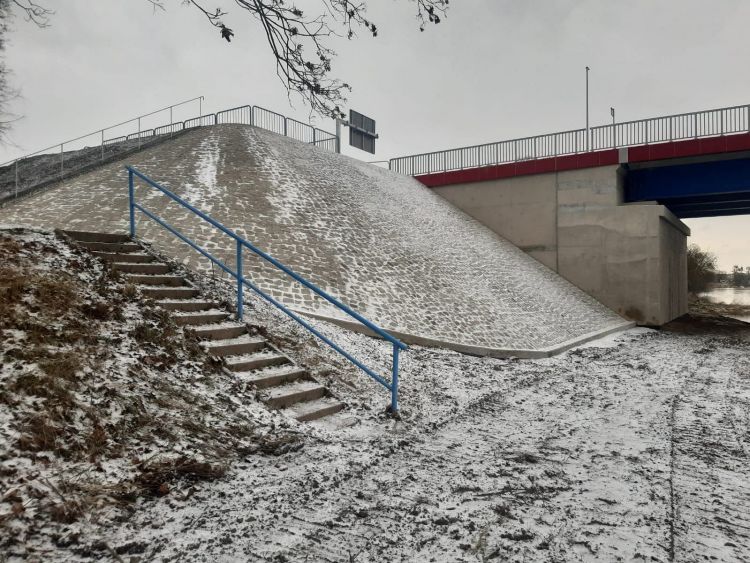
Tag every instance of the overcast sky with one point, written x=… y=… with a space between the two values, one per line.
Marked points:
x=493 y=70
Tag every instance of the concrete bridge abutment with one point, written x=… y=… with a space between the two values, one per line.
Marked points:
x=632 y=257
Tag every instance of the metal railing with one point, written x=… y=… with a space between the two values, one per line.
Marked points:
x=90 y=152
x=696 y=125
x=62 y=163
x=238 y=274
x=277 y=123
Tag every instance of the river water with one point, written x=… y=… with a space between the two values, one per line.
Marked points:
x=730 y=295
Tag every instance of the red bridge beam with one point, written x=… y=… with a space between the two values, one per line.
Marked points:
x=643 y=153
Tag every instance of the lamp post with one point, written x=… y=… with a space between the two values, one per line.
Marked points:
x=588 y=135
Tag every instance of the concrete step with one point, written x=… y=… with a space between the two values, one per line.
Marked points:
x=167 y=292
x=220 y=331
x=259 y=360
x=244 y=344
x=114 y=247
x=273 y=376
x=188 y=305
x=143 y=268
x=197 y=318
x=151 y=279
x=284 y=385
x=117 y=257
x=287 y=395
x=313 y=410
x=86 y=236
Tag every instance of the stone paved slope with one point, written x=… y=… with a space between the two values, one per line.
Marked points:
x=386 y=245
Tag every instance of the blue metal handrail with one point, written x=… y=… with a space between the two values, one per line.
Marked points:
x=242 y=281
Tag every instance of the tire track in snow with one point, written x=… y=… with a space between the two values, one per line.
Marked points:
x=712 y=495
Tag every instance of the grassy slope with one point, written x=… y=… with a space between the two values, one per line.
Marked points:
x=103 y=401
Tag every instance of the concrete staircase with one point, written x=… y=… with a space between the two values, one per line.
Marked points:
x=280 y=383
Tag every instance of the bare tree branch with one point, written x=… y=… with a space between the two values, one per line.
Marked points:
x=34 y=12
x=298 y=41
x=37 y=14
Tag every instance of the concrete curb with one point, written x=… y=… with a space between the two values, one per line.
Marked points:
x=474 y=350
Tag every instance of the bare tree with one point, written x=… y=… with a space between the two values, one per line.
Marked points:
x=701 y=268
x=31 y=11
x=298 y=40
x=34 y=13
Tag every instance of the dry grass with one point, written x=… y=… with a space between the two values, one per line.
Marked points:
x=96 y=441
x=129 y=291
x=155 y=476
x=98 y=311
x=67 y=512
x=55 y=295
x=10 y=248
x=63 y=365
x=41 y=433
x=75 y=405
x=56 y=391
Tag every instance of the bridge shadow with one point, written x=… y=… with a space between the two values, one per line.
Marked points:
x=709 y=323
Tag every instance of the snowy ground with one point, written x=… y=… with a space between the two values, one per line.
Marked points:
x=632 y=448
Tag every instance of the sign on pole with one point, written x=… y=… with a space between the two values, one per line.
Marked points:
x=362 y=133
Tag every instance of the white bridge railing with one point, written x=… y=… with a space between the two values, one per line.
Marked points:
x=697 y=125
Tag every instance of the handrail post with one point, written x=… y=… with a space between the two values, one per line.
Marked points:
x=285 y=127
x=62 y=161
x=16 y=178
x=102 y=144
x=338 y=136
x=131 y=198
x=394 y=380
x=239 y=281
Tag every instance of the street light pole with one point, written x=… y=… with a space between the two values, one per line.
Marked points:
x=587 y=109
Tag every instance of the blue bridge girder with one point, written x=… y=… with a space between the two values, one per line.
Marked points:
x=712 y=188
